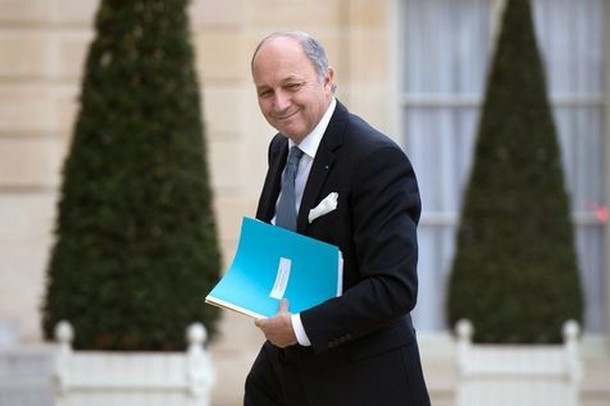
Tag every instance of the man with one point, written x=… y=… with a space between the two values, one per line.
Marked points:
x=359 y=348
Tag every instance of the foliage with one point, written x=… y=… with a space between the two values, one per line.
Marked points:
x=515 y=272
x=136 y=246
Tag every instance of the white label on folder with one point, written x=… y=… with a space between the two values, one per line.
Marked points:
x=281 y=279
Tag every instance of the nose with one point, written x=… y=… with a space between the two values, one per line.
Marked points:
x=282 y=101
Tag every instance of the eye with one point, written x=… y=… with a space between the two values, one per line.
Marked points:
x=264 y=93
x=293 y=87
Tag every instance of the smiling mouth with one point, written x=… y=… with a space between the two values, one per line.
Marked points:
x=286 y=116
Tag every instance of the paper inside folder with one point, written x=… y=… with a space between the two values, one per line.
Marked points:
x=281 y=279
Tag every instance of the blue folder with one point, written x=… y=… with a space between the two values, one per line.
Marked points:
x=272 y=263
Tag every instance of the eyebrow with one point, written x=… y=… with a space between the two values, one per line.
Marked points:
x=292 y=78
x=288 y=80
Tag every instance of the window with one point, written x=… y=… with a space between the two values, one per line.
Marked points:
x=444 y=50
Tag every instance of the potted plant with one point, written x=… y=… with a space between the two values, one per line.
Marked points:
x=515 y=273
x=136 y=244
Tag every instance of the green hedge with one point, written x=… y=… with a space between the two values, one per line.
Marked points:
x=515 y=271
x=136 y=246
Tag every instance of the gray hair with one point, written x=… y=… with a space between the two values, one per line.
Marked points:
x=313 y=49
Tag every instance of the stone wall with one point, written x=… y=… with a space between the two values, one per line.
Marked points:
x=42 y=48
x=43 y=44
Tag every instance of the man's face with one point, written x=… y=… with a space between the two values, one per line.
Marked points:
x=290 y=95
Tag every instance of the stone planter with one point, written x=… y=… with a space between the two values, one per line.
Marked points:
x=109 y=378
x=502 y=374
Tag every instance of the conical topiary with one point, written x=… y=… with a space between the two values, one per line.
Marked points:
x=515 y=272
x=136 y=245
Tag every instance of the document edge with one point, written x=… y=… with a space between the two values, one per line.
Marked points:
x=339 y=273
x=223 y=304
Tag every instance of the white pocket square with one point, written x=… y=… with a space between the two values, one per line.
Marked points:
x=328 y=204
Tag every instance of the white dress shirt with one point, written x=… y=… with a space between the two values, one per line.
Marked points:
x=309 y=146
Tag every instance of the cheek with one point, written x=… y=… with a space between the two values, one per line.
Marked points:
x=265 y=107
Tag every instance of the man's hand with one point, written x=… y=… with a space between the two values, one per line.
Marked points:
x=278 y=329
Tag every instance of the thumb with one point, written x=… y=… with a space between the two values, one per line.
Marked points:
x=283 y=306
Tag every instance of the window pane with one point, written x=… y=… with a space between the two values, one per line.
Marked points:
x=581 y=133
x=441 y=34
x=571 y=38
x=440 y=146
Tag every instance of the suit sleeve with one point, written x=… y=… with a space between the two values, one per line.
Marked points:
x=385 y=208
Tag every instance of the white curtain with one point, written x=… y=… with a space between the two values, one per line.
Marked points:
x=445 y=50
x=571 y=37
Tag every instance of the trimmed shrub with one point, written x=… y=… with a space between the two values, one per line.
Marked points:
x=515 y=273
x=136 y=245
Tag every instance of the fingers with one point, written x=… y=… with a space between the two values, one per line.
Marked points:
x=263 y=322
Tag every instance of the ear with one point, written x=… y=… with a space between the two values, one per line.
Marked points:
x=329 y=83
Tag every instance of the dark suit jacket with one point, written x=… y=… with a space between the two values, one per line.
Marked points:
x=374 y=225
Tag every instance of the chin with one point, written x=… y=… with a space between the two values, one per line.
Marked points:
x=293 y=135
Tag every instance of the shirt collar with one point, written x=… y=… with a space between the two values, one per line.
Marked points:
x=311 y=142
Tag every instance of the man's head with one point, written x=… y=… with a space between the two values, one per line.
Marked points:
x=293 y=82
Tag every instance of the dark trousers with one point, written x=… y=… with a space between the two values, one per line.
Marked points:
x=273 y=379
x=280 y=377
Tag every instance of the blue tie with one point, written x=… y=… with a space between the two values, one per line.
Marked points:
x=286 y=214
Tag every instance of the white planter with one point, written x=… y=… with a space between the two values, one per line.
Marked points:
x=499 y=374
x=107 y=378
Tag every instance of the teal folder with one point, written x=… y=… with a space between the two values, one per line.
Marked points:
x=272 y=263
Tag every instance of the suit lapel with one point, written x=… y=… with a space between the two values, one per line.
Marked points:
x=320 y=169
x=271 y=188
x=322 y=165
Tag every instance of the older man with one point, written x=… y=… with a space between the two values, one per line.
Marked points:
x=359 y=348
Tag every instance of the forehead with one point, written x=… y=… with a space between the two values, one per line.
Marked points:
x=280 y=58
